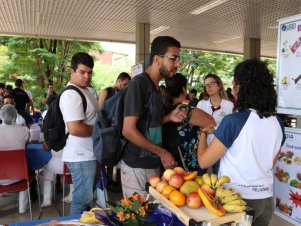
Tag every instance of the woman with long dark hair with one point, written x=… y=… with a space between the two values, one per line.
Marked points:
x=248 y=141
x=181 y=139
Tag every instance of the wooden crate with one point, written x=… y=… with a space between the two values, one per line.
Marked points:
x=196 y=217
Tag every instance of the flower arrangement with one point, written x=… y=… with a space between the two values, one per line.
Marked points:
x=132 y=211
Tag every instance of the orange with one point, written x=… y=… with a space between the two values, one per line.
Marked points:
x=178 y=198
x=167 y=189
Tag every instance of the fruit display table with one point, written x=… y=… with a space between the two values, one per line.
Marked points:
x=196 y=217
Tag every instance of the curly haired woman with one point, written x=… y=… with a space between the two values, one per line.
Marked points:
x=248 y=141
x=181 y=139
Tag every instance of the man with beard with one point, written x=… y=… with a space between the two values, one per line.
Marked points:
x=142 y=126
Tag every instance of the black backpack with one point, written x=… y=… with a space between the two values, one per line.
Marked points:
x=54 y=131
x=108 y=142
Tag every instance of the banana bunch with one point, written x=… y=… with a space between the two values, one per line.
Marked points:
x=90 y=217
x=214 y=182
x=230 y=200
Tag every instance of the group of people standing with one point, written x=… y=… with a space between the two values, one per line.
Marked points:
x=163 y=133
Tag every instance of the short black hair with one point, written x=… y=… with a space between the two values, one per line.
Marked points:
x=81 y=58
x=2 y=85
x=9 y=87
x=8 y=96
x=193 y=91
x=160 y=45
x=18 y=82
x=123 y=76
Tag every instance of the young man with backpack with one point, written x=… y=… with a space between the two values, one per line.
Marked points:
x=122 y=81
x=78 y=152
x=143 y=154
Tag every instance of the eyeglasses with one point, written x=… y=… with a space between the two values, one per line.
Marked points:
x=210 y=84
x=174 y=58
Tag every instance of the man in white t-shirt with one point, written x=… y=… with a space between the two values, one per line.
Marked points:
x=78 y=152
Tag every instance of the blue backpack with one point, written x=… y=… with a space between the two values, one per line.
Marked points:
x=108 y=142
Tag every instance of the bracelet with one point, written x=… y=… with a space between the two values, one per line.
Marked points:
x=204 y=132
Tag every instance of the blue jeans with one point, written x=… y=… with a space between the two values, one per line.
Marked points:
x=83 y=178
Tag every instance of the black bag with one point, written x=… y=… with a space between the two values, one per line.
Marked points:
x=108 y=142
x=54 y=131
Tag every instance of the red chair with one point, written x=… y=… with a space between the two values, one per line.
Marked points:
x=67 y=179
x=14 y=166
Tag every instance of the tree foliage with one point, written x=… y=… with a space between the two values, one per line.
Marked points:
x=39 y=61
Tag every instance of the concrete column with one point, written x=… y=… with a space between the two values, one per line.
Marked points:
x=143 y=44
x=251 y=48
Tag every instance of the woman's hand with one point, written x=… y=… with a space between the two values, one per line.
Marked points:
x=177 y=115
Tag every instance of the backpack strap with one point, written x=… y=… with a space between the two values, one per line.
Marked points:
x=80 y=93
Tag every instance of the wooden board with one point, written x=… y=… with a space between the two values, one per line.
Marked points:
x=194 y=216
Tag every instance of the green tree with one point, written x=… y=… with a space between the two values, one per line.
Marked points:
x=197 y=64
x=39 y=61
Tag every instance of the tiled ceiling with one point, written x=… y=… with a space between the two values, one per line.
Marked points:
x=222 y=28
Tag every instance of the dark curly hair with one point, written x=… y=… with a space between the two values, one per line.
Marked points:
x=256 y=88
x=174 y=88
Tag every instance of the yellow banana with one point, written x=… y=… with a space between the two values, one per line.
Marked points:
x=222 y=180
x=219 y=191
x=239 y=202
x=234 y=208
x=207 y=179
x=229 y=198
x=90 y=218
x=213 y=178
x=226 y=192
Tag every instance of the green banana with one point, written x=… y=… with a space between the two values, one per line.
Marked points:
x=207 y=179
x=234 y=208
x=213 y=178
x=237 y=202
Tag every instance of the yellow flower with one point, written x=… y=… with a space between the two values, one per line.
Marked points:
x=126 y=202
x=142 y=211
x=120 y=216
x=133 y=216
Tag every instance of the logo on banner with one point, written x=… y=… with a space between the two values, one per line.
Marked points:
x=299 y=27
x=288 y=27
x=289 y=136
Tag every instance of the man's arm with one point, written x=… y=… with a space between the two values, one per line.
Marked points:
x=131 y=132
x=102 y=97
x=79 y=128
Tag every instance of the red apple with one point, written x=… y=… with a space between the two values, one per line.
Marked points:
x=179 y=170
x=208 y=189
x=160 y=186
x=167 y=174
x=154 y=180
x=193 y=200
x=176 y=181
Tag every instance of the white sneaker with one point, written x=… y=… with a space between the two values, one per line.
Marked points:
x=46 y=203
x=67 y=199
x=23 y=201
